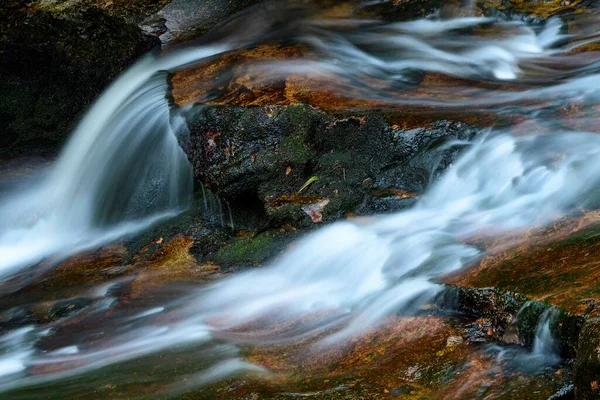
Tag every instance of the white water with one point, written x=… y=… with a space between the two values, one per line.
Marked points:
x=122 y=170
x=545 y=350
x=545 y=345
x=344 y=278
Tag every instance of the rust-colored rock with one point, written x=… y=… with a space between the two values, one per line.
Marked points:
x=559 y=264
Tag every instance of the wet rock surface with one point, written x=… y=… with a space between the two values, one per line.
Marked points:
x=301 y=166
x=53 y=66
x=557 y=264
x=276 y=172
x=512 y=318
x=181 y=20
x=587 y=364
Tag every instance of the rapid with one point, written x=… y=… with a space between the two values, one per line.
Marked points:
x=123 y=170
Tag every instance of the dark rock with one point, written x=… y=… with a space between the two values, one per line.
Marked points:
x=527 y=321
x=67 y=308
x=302 y=166
x=15 y=317
x=403 y=10
x=53 y=66
x=511 y=317
x=496 y=308
x=213 y=239
x=181 y=20
x=564 y=327
x=587 y=363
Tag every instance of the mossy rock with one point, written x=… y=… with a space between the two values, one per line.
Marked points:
x=252 y=250
x=527 y=321
x=587 y=363
x=258 y=155
x=53 y=66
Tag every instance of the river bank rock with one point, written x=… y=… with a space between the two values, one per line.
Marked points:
x=53 y=66
x=180 y=20
x=555 y=264
x=512 y=318
x=587 y=364
x=299 y=166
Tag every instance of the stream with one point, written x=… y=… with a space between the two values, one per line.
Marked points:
x=123 y=171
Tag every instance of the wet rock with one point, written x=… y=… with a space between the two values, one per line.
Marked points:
x=527 y=320
x=197 y=239
x=587 y=363
x=53 y=65
x=511 y=318
x=252 y=250
x=180 y=20
x=15 y=317
x=131 y=10
x=303 y=166
x=403 y=10
x=531 y=11
x=496 y=309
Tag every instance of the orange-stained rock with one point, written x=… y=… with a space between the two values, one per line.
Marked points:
x=226 y=79
x=559 y=264
x=171 y=262
x=539 y=8
x=406 y=357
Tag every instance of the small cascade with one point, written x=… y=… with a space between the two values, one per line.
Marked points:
x=215 y=210
x=530 y=346
x=124 y=169
x=545 y=346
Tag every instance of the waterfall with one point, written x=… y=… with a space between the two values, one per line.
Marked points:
x=123 y=169
x=545 y=345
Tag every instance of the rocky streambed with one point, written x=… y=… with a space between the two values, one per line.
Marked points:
x=272 y=163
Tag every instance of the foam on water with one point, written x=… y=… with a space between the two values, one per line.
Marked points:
x=123 y=169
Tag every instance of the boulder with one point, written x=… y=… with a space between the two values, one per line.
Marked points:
x=53 y=66
x=303 y=166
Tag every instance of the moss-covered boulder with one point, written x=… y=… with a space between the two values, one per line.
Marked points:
x=301 y=166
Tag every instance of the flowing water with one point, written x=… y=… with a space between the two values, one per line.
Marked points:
x=123 y=169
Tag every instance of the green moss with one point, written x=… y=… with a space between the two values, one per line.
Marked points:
x=293 y=149
x=302 y=119
x=247 y=249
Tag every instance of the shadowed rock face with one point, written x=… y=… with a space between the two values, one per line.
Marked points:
x=58 y=56
x=587 y=365
x=52 y=67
